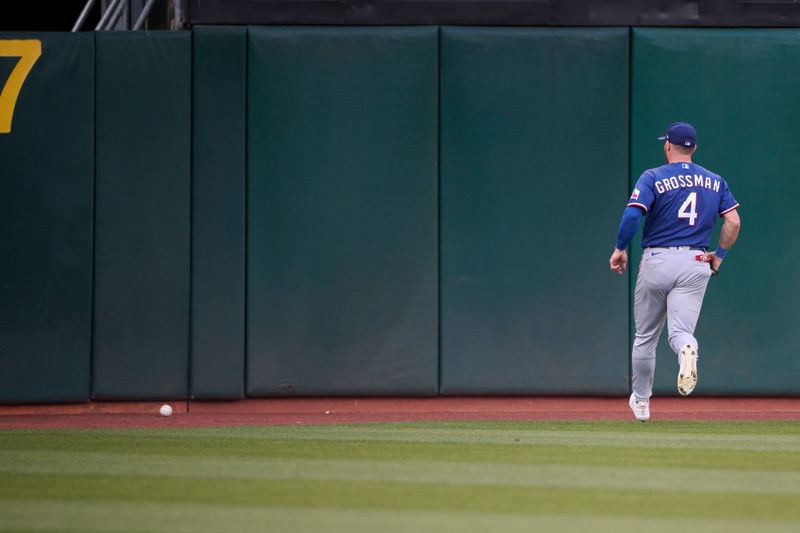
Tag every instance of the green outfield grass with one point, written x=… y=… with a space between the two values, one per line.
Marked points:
x=454 y=476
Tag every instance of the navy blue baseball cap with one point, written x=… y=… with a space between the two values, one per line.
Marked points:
x=681 y=133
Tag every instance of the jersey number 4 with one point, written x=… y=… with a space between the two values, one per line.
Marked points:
x=689 y=208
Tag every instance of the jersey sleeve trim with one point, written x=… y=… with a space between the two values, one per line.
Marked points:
x=729 y=209
x=642 y=206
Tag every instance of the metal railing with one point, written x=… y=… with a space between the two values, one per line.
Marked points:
x=112 y=14
x=143 y=16
x=84 y=14
x=110 y=17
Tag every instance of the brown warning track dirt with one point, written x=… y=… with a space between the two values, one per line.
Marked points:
x=284 y=411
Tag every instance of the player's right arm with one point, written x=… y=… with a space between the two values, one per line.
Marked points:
x=638 y=205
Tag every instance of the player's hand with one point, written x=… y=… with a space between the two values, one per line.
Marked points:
x=619 y=261
x=716 y=262
x=713 y=261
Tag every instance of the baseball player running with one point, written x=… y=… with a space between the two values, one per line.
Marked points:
x=680 y=202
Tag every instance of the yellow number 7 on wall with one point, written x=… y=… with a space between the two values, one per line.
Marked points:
x=28 y=51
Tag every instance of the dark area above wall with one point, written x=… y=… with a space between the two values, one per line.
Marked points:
x=60 y=16
x=709 y=13
x=52 y=16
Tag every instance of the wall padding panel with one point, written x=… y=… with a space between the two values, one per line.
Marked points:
x=218 y=212
x=46 y=181
x=141 y=312
x=342 y=211
x=534 y=169
x=740 y=89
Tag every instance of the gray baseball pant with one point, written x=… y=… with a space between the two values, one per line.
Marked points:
x=670 y=286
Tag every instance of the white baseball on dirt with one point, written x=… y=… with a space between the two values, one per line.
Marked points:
x=165 y=410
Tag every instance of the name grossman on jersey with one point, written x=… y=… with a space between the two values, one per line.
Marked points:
x=689 y=180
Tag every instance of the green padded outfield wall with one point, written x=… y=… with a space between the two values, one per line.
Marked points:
x=342 y=211
x=46 y=180
x=534 y=169
x=341 y=174
x=218 y=212
x=741 y=89
x=142 y=237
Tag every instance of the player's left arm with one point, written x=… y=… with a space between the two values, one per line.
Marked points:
x=730 y=227
x=727 y=238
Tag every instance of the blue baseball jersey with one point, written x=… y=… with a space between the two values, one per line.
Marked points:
x=681 y=202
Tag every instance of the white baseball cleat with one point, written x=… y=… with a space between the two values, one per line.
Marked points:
x=641 y=409
x=687 y=376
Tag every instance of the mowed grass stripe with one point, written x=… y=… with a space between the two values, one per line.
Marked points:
x=715 y=427
x=192 y=518
x=428 y=472
x=645 y=436
x=567 y=438
x=537 y=454
x=404 y=497
x=267 y=443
